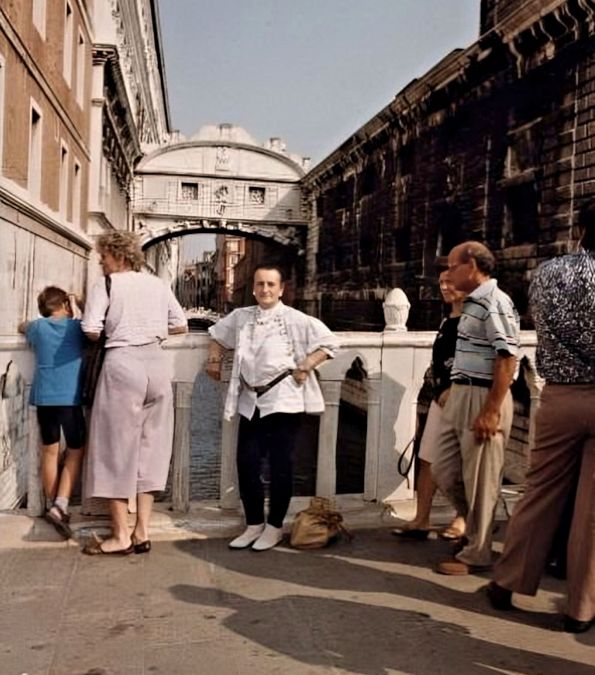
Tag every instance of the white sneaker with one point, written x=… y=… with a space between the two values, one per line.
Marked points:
x=248 y=536
x=268 y=539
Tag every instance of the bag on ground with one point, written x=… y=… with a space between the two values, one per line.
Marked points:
x=318 y=525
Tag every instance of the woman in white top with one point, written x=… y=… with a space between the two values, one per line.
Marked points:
x=276 y=349
x=130 y=436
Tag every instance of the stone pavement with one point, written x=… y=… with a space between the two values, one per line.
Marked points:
x=191 y=606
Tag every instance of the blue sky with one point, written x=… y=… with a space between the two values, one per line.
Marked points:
x=309 y=71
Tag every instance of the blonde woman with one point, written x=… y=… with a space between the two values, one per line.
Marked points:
x=130 y=435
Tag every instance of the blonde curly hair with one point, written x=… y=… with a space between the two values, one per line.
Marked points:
x=122 y=245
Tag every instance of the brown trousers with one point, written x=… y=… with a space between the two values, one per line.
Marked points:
x=564 y=446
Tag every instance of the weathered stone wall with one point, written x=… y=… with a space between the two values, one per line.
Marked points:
x=494 y=143
x=32 y=260
x=14 y=436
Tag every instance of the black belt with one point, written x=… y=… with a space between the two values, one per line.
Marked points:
x=473 y=382
x=263 y=388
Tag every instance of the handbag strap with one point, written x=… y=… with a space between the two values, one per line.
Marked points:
x=108 y=288
x=403 y=464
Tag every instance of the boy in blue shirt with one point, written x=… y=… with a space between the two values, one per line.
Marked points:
x=58 y=342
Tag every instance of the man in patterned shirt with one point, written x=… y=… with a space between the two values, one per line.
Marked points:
x=562 y=298
x=478 y=414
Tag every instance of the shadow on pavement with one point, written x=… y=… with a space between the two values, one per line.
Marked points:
x=343 y=568
x=321 y=631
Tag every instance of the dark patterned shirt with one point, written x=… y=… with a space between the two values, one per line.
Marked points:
x=562 y=299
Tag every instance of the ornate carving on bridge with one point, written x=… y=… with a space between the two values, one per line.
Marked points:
x=222 y=198
x=222 y=158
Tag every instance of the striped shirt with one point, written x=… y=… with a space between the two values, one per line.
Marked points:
x=489 y=325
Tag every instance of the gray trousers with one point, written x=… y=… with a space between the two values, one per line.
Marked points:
x=564 y=445
x=470 y=473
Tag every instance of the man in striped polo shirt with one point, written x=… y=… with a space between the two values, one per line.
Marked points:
x=478 y=413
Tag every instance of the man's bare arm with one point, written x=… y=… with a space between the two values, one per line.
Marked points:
x=487 y=422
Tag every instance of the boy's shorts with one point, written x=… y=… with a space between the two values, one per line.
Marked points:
x=69 y=418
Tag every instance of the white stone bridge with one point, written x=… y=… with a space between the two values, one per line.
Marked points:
x=221 y=181
x=393 y=365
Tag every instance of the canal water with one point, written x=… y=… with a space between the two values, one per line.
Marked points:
x=205 y=450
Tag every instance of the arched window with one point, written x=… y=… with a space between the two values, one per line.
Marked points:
x=352 y=430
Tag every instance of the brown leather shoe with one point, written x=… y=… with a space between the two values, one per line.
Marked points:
x=457 y=568
x=453 y=567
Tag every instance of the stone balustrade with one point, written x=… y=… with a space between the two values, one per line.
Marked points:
x=393 y=366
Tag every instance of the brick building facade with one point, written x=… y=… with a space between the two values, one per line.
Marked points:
x=495 y=143
x=45 y=88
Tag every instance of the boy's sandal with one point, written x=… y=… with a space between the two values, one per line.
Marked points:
x=59 y=519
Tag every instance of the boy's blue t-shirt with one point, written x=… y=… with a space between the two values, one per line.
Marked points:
x=58 y=345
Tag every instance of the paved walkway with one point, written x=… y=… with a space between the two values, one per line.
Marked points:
x=192 y=606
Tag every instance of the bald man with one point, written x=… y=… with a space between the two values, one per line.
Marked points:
x=478 y=414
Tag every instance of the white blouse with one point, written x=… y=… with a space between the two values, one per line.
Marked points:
x=141 y=309
x=266 y=343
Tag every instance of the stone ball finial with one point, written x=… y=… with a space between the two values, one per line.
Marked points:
x=396 y=310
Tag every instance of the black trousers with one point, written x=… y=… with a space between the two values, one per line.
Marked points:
x=274 y=437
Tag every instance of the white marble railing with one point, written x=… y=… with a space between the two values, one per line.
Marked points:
x=395 y=363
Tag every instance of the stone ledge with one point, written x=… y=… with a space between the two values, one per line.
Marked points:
x=208 y=520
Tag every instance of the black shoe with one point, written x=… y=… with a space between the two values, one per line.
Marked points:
x=459 y=544
x=414 y=534
x=575 y=626
x=142 y=546
x=500 y=598
x=556 y=569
